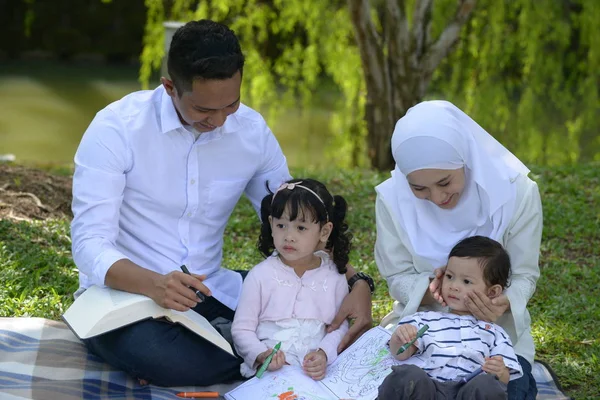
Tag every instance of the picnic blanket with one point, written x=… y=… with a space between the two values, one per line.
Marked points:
x=43 y=360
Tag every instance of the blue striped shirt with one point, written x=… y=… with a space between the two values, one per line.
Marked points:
x=456 y=345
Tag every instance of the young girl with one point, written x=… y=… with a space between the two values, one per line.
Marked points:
x=296 y=292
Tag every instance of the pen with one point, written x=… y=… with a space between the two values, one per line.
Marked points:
x=199 y=294
x=472 y=375
x=263 y=367
x=420 y=333
x=198 y=395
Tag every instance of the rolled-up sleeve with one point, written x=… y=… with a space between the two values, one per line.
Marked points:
x=98 y=184
x=273 y=169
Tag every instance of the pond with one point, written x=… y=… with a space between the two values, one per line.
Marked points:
x=46 y=106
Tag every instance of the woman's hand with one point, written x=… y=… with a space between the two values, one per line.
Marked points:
x=435 y=286
x=357 y=306
x=484 y=308
x=315 y=364
x=173 y=290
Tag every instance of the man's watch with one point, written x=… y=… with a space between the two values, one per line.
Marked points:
x=361 y=276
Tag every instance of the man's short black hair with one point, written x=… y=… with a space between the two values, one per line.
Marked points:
x=492 y=257
x=203 y=49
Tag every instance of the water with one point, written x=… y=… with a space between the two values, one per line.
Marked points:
x=46 y=107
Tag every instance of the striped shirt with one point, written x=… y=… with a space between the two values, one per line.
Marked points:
x=456 y=345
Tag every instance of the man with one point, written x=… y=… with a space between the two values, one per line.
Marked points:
x=157 y=175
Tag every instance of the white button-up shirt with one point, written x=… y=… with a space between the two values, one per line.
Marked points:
x=146 y=189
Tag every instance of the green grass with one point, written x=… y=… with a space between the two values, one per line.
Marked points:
x=38 y=276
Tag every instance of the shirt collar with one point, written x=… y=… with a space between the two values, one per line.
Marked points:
x=170 y=119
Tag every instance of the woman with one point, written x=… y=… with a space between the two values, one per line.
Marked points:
x=453 y=180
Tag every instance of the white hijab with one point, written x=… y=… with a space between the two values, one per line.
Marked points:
x=436 y=134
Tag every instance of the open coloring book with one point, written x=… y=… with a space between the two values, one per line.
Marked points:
x=356 y=374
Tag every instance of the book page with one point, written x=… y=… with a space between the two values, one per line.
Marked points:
x=359 y=370
x=290 y=382
x=200 y=325
x=101 y=309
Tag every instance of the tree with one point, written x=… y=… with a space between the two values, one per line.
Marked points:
x=398 y=62
x=291 y=44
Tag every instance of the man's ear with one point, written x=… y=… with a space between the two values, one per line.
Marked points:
x=494 y=291
x=326 y=231
x=169 y=86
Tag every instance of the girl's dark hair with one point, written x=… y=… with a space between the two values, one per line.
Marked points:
x=492 y=257
x=301 y=201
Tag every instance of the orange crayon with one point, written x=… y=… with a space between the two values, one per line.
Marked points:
x=198 y=395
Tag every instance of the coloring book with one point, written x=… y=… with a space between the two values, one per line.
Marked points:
x=356 y=374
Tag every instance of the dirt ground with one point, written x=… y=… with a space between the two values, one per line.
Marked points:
x=33 y=194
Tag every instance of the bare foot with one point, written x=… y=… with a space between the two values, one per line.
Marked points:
x=142 y=382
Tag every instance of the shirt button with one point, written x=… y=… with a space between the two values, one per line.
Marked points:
x=193 y=181
x=189 y=214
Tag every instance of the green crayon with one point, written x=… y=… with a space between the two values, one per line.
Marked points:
x=420 y=333
x=263 y=367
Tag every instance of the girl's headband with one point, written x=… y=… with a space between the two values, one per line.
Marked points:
x=291 y=186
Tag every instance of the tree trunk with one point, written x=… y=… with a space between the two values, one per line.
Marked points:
x=398 y=63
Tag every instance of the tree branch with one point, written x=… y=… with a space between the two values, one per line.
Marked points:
x=440 y=49
x=368 y=42
x=420 y=26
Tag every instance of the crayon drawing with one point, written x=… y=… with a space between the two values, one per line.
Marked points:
x=289 y=383
x=362 y=368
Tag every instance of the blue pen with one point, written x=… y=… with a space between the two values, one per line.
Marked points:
x=472 y=375
x=201 y=297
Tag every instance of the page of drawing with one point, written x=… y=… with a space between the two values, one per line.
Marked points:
x=358 y=372
x=288 y=383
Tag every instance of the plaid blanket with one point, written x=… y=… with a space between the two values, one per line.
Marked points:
x=42 y=359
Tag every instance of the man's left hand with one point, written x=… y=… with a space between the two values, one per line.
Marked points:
x=484 y=308
x=357 y=306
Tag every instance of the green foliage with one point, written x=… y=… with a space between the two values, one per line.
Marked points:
x=529 y=72
x=39 y=277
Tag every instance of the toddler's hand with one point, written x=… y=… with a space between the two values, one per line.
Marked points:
x=277 y=361
x=495 y=366
x=405 y=333
x=315 y=364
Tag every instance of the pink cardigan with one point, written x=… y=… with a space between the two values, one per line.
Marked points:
x=272 y=292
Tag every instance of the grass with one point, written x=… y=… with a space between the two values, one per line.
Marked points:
x=38 y=276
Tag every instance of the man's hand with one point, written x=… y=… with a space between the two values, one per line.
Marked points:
x=357 y=306
x=495 y=366
x=484 y=308
x=435 y=286
x=173 y=290
x=277 y=361
x=315 y=364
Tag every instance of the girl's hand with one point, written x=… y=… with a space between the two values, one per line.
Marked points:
x=276 y=363
x=315 y=364
x=173 y=290
x=484 y=308
x=495 y=366
x=435 y=286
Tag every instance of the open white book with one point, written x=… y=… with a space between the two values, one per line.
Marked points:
x=356 y=374
x=101 y=309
